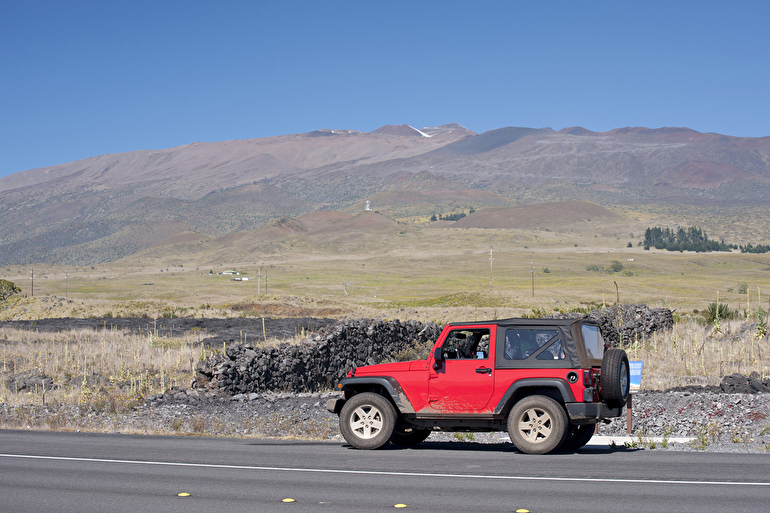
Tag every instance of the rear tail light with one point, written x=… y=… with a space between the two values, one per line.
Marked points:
x=590 y=384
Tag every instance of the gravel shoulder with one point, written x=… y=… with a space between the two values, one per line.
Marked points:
x=715 y=422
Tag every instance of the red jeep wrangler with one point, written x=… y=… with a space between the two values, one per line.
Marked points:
x=547 y=381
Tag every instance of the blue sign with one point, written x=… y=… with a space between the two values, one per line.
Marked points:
x=635 y=369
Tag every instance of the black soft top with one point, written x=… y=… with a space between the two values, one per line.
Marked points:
x=530 y=322
x=570 y=329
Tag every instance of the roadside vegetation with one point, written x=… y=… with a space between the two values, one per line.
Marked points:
x=101 y=370
x=108 y=373
x=414 y=271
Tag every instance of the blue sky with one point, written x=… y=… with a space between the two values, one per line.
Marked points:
x=84 y=78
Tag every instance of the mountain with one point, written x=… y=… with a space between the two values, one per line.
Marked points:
x=561 y=214
x=110 y=206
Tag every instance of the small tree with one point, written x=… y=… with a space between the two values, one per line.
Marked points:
x=7 y=289
x=616 y=266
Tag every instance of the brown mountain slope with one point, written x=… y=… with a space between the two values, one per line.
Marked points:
x=332 y=232
x=339 y=233
x=428 y=193
x=546 y=215
x=707 y=175
x=235 y=186
x=196 y=169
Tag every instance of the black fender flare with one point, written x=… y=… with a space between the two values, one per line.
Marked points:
x=400 y=400
x=558 y=384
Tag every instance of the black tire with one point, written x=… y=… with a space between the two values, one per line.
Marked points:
x=537 y=424
x=577 y=436
x=367 y=421
x=410 y=436
x=616 y=378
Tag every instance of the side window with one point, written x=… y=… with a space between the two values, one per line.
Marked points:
x=593 y=341
x=521 y=343
x=554 y=352
x=472 y=344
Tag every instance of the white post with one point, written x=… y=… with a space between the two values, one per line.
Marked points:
x=533 y=278
x=490 y=269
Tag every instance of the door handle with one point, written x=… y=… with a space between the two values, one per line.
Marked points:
x=484 y=370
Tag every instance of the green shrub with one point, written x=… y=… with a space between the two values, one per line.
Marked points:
x=710 y=313
x=761 y=325
x=537 y=313
x=7 y=289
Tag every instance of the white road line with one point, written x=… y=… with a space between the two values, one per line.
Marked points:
x=383 y=473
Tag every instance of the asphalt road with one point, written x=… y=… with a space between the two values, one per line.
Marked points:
x=82 y=472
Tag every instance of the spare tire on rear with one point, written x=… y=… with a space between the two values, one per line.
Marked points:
x=616 y=378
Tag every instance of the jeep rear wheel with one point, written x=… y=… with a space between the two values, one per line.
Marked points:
x=616 y=378
x=407 y=437
x=537 y=424
x=367 y=421
x=577 y=436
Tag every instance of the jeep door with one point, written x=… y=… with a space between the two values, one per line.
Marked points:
x=464 y=380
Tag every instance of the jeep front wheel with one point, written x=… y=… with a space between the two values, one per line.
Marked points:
x=537 y=424
x=367 y=421
x=615 y=378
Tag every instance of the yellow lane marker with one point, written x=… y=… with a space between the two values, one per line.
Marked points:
x=288 y=500
x=522 y=511
x=183 y=494
x=399 y=506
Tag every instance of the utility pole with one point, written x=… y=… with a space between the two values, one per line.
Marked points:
x=532 y=272
x=259 y=281
x=490 y=269
x=32 y=281
x=66 y=288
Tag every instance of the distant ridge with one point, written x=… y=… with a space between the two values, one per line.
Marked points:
x=97 y=209
x=404 y=130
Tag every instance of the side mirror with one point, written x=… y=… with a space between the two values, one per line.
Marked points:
x=438 y=357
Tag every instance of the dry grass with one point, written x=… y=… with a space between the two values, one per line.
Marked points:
x=113 y=371
x=102 y=376
x=695 y=354
x=104 y=370
x=411 y=272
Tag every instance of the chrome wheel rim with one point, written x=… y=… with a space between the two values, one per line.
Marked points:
x=366 y=421
x=535 y=425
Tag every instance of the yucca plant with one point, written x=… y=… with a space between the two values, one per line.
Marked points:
x=761 y=325
x=716 y=311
